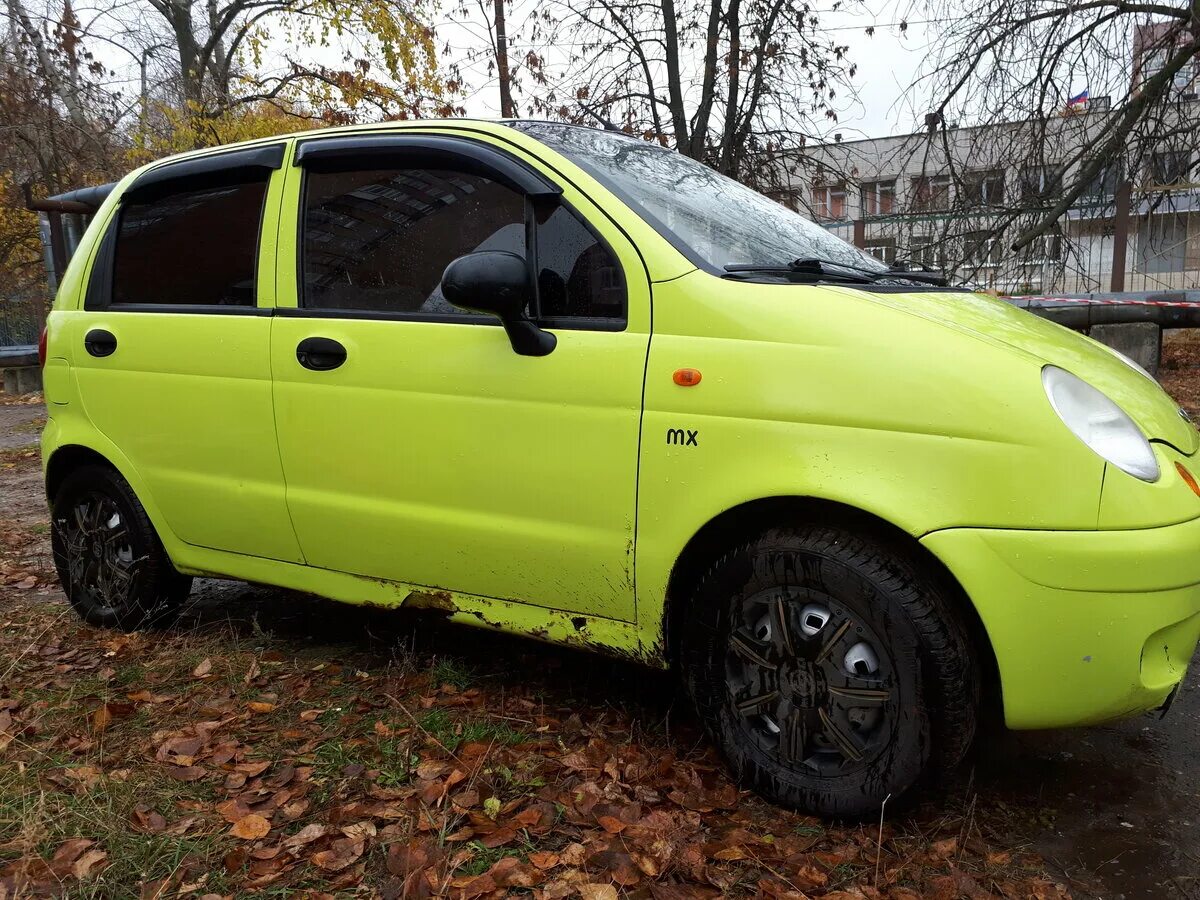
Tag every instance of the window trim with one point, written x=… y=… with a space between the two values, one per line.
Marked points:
x=560 y=323
x=251 y=166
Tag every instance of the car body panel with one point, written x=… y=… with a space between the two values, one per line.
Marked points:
x=1087 y=626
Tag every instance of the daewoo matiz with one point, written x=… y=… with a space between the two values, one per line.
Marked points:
x=562 y=382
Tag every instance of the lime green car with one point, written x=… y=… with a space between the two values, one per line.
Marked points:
x=565 y=383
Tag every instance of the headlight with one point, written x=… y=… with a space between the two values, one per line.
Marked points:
x=1100 y=423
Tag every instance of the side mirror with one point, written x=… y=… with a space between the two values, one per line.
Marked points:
x=497 y=282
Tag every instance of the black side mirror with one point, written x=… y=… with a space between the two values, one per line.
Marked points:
x=497 y=282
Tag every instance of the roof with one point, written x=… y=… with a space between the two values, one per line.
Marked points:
x=93 y=196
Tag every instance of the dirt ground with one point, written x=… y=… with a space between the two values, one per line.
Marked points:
x=274 y=744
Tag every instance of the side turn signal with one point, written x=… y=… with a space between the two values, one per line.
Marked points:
x=1188 y=478
x=687 y=377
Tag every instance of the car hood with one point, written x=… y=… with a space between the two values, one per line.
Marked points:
x=993 y=320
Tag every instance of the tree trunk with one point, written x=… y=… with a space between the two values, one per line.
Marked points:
x=56 y=81
x=506 y=103
x=674 y=82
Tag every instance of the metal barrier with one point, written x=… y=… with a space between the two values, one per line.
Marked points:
x=21 y=321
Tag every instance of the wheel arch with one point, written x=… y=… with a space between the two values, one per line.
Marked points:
x=65 y=460
x=745 y=520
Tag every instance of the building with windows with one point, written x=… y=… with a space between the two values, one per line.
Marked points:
x=941 y=197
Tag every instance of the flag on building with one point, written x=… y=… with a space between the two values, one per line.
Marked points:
x=1078 y=100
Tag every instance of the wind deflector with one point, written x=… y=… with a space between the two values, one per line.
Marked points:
x=216 y=170
x=430 y=151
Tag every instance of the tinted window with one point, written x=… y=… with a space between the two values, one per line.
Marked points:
x=197 y=247
x=380 y=240
x=577 y=275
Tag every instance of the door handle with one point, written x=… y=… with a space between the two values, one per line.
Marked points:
x=320 y=354
x=99 y=342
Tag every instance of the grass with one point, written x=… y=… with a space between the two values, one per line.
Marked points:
x=483 y=858
x=451 y=672
x=452 y=733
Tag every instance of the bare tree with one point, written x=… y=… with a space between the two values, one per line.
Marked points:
x=729 y=82
x=1009 y=68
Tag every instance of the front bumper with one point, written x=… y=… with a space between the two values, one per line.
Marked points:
x=1086 y=626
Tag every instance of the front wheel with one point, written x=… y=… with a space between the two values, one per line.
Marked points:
x=110 y=562
x=830 y=671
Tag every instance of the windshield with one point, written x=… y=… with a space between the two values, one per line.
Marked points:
x=708 y=216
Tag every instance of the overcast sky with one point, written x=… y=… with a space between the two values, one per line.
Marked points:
x=880 y=103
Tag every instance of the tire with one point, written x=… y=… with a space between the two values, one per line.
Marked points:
x=110 y=562
x=832 y=673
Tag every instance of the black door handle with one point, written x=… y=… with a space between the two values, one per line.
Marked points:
x=99 y=342
x=320 y=354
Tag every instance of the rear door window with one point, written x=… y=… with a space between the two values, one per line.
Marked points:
x=190 y=248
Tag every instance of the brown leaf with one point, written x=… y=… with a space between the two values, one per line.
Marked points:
x=340 y=855
x=945 y=848
x=250 y=828
x=498 y=838
x=544 y=859
x=511 y=872
x=203 y=669
x=597 y=891
x=305 y=835
x=611 y=824
x=808 y=877
x=147 y=820
x=186 y=773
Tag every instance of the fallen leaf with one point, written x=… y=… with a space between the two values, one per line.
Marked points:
x=203 y=669
x=250 y=828
x=597 y=891
x=186 y=773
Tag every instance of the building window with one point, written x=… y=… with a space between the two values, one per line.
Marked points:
x=1162 y=244
x=985 y=188
x=1170 y=167
x=829 y=201
x=1040 y=182
x=928 y=250
x=883 y=249
x=931 y=192
x=981 y=249
x=879 y=198
x=1103 y=185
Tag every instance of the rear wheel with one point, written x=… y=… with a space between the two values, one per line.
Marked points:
x=831 y=672
x=110 y=561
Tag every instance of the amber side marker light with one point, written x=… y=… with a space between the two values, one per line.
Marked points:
x=1188 y=479
x=687 y=377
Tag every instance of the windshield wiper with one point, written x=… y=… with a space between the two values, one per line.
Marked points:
x=899 y=269
x=795 y=272
x=821 y=269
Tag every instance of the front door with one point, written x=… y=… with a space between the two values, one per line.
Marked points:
x=171 y=347
x=423 y=449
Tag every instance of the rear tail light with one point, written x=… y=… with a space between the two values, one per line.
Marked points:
x=42 y=348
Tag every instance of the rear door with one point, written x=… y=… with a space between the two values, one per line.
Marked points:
x=430 y=452
x=171 y=349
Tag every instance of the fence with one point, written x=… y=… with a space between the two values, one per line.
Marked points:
x=1135 y=239
x=21 y=320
